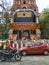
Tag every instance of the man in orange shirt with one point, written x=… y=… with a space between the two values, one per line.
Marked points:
x=9 y=45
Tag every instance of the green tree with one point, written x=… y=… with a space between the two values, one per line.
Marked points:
x=44 y=21
x=4 y=31
x=6 y=16
x=4 y=28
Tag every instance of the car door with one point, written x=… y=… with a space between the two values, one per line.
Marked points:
x=38 y=48
x=32 y=48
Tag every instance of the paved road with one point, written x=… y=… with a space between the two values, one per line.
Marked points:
x=29 y=60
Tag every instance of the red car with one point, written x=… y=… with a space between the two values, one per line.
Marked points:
x=35 y=48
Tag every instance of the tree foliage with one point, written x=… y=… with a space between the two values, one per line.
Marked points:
x=3 y=31
x=4 y=28
x=6 y=16
x=44 y=21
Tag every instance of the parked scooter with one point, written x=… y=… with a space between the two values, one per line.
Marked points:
x=5 y=54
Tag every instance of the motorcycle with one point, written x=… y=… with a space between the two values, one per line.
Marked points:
x=5 y=54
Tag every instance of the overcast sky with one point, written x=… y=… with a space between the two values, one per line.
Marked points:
x=40 y=3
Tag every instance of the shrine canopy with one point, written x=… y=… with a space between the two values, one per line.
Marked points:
x=24 y=15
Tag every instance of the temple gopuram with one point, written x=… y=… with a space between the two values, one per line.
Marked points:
x=24 y=20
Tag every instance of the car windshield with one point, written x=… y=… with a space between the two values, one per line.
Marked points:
x=40 y=43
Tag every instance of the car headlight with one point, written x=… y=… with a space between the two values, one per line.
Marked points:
x=21 y=48
x=47 y=44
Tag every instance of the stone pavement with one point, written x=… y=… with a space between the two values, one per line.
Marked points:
x=29 y=60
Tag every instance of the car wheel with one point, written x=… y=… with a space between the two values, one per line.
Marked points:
x=45 y=52
x=24 y=53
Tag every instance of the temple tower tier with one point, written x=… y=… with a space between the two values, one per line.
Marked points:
x=24 y=20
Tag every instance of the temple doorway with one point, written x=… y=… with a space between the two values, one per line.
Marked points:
x=23 y=34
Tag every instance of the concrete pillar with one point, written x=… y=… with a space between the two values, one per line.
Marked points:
x=29 y=2
x=10 y=31
x=11 y=20
x=38 y=32
x=37 y=21
x=21 y=44
x=4 y=46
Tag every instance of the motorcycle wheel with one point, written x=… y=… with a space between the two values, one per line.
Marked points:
x=3 y=59
x=17 y=57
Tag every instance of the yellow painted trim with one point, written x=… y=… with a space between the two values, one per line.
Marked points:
x=21 y=14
